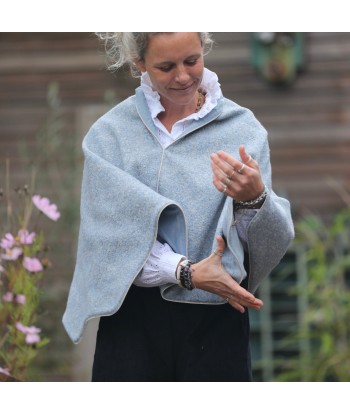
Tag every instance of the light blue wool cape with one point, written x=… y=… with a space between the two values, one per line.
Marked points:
x=135 y=191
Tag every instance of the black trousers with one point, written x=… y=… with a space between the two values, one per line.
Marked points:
x=153 y=340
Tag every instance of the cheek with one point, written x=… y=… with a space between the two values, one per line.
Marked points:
x=157 y=81
x=164 y=80
x=198 y=71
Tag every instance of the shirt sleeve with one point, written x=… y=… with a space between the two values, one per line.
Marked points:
x=160 y=267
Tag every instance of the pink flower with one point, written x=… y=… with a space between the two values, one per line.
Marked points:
x=21 y=299
x=32 y=264
x=32 y=333
x=2 y=269
x=43 y=204
x=32 y=336
x=21 y=327
x=25 y=237
x=8 y=297
x=8 y=241
x=12 y=254
x=5 y=371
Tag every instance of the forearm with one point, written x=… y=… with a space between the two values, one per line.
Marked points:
x=160 y=267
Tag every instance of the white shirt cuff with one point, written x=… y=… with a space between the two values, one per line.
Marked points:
x=168 y=264
x=160 y=267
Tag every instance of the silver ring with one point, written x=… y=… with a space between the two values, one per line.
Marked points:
x=225 y=188
x=241 y=169
x=227 y=181
x=218 y=253
x=227 y=299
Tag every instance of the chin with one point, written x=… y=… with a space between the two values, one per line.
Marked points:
x=183 y=97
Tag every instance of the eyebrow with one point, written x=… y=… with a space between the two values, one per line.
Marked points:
x=195 y=56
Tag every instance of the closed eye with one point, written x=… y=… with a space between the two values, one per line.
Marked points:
x=191 y=62
x=166 y=68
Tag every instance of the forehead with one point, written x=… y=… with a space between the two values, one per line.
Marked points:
x=173 y=46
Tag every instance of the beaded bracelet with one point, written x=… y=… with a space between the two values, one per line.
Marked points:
x=184 y=276
x=251 y=204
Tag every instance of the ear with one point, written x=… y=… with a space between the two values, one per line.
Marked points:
x=140 y=65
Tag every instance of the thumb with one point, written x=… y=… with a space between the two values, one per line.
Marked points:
x=245 y=157
x=220 y=244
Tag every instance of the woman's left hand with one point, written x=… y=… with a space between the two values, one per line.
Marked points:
x=240 y=180
x=210 y=275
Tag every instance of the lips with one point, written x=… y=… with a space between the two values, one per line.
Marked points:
x=183 y=89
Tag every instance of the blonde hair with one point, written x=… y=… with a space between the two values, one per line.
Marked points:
x=125 y=48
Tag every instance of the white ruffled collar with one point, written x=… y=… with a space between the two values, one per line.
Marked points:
x=210 y=85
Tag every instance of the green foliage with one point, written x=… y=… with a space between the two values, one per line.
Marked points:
x=22 y=267
x=54 y=157
x=324 y=327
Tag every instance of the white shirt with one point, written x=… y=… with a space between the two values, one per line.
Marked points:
x=209 y=84
x=161 y=265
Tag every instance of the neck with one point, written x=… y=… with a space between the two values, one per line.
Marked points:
x=174 y=113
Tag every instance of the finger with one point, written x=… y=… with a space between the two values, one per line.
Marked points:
x=220 y=248
x=244 y=297
x=241 y=305
x=219 y=173
x=226 y=162
x=255 y=304
x=219 y=185
x=245 y=157
x=240 y=308
x=220 y=169
x=237 y=306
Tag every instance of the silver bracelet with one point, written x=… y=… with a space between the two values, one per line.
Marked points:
x=251 y=204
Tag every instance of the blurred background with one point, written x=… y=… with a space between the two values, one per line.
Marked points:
x=53 y=86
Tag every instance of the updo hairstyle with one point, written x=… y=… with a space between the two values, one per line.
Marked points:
x=125 y=48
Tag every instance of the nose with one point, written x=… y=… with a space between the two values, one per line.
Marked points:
x=182 y=76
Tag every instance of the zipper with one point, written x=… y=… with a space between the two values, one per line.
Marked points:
x=181 y=136
x=160 y=169
x=151 y=132
x=194 y=129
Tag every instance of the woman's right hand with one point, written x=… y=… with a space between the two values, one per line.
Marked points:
x=210 y=275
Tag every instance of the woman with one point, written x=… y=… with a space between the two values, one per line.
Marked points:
x=176 y=198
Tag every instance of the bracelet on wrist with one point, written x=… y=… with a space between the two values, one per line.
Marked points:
x=252 y=204
x=184 y=275
x=177 y=271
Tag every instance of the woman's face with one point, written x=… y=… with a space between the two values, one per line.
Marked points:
x=174 y=63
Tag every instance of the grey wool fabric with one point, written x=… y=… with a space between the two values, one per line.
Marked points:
x=135 y=191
